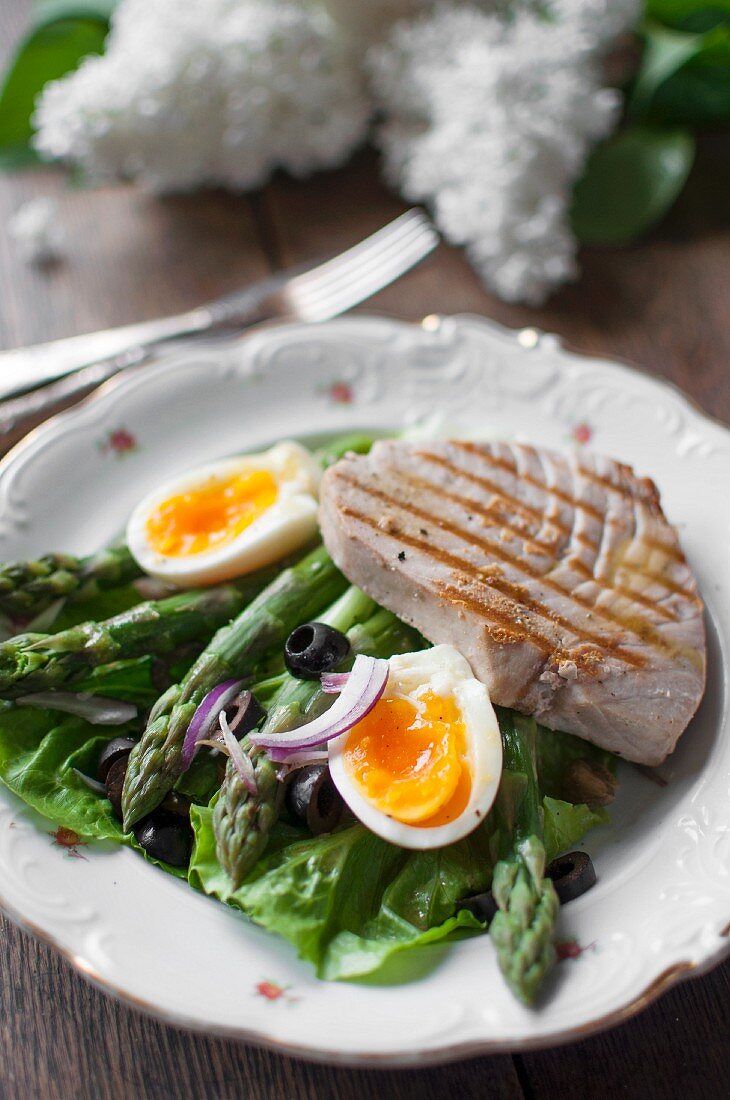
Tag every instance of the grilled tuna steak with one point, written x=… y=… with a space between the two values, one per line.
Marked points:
x=558 y=578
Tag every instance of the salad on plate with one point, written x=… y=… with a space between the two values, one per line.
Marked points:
x=370 y=696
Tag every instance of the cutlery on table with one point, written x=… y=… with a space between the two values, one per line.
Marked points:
x=69 y=369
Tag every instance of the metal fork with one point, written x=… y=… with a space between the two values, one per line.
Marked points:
x=84 y=362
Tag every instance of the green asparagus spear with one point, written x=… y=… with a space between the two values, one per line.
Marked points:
x=42 y=662
x=523 y=927
x=359 y=442
x=29 y=587
x=299 y=593
x=242 y=821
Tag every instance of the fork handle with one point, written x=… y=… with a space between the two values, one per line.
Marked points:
x=23 y=369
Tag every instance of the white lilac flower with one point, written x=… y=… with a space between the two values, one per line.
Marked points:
x=210 y=92
x=37 y=231
x=489 y=117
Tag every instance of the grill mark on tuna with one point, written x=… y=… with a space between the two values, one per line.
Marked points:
x=506 y=629
x=487 y=512
x=671 y=551
x=514 y=502
x=629 y=593
x=577 y=536
x=634 y=624
x=527 y=538
x=618 y=564
x=462 y=565
x=549 y=490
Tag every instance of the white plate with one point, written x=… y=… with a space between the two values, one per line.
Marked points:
x=662 y=904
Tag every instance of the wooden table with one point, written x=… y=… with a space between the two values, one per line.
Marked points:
x=663 y=304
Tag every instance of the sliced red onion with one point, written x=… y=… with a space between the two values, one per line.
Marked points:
x=241 y=761
x=334 y=682
x=306 y=757
x=365 y=685
x=97 y=709
x=206 y=717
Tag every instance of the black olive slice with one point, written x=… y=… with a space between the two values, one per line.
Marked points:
x=314 y=648
x=572 y=874
x=165 y=836
x=113 y=750
x=176 y=803
x=483 y=906
x=244 y=713
x=115 y=781
x=313 y=799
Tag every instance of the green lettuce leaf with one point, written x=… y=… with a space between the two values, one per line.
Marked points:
x=349 y=901
x=565 y=824
x=351 y=904
x=202 y=779
x=38 y=750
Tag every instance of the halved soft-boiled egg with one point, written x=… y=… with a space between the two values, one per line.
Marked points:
x=422 y=768
x=227 y=518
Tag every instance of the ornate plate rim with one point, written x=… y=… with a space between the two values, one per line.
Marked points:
x=679 y=970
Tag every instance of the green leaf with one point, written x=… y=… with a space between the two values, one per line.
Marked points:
x=202 y=779
x=53 y=49
x=697 y=96
x=351 y=903
x=15 y=157
x=698 y=93
x=130 y=680
x=689 y=15
x=38 y=750
x=566 y=824
x=665 y=52
x=51 y=11
x=684 y=77
x=630 y=183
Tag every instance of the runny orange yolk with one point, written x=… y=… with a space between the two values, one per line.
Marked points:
x=211 y=515
x=408 y=758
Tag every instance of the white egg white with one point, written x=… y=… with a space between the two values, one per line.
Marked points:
x=289 y=523
x=443 y=671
